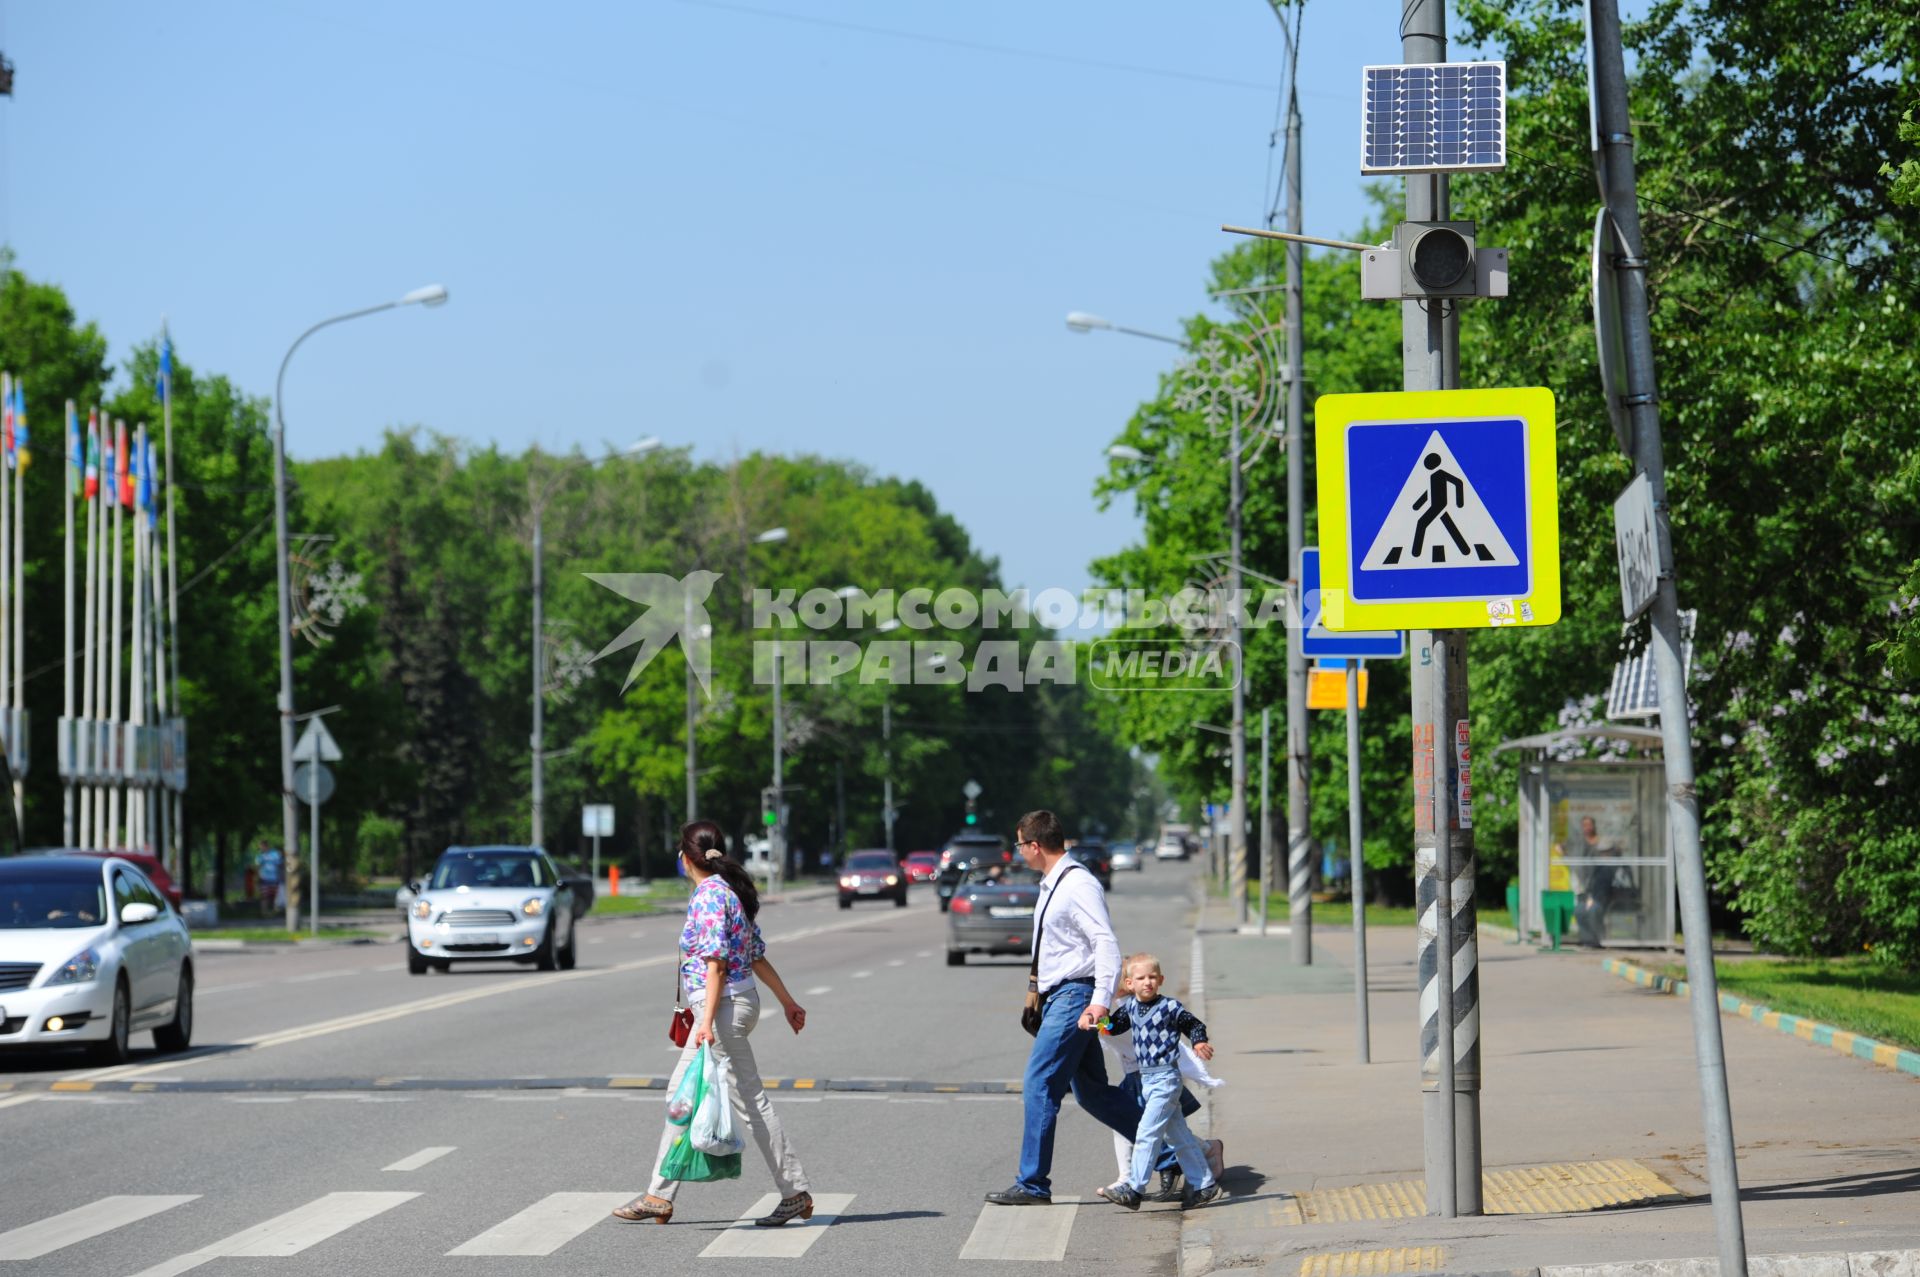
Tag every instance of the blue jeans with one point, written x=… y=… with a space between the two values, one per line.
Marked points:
x=1161 y=1086
x=1065 y=1056
x=1130 y=1087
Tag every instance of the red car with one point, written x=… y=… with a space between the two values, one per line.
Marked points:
x=148 y=862
x=922 y=866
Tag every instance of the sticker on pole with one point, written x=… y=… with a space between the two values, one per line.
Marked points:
x=1438 y=510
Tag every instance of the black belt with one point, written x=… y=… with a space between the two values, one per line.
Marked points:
x=1082 y=979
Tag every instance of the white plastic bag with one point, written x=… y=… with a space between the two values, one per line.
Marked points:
x=1194 y=1069
x=713 y=1130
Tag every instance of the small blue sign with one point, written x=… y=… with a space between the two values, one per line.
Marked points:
x=1437 y=510
x=1318 y=641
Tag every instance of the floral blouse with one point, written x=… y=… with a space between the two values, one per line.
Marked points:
x=718 y=927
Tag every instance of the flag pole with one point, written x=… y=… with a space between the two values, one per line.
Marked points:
x=175 y=797
x=19 y=592
x=138 y=836
x=89 y=645
x=66 y=630
x=6 y=561
x=117 y=750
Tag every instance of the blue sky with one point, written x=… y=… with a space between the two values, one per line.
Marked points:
x=844 y=227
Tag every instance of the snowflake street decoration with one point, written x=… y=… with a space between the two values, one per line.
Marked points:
x=569 y=664
x=324 y=593
x=334 y=593
x=1218 y=383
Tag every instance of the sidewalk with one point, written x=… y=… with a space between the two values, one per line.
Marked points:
x=1579 y=1068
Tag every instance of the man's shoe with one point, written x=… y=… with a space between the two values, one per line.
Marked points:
x=1200 y=1197
x=1217 y=1158
x=1120 y=1194
x=1169 y=1187
x=1017 y=1196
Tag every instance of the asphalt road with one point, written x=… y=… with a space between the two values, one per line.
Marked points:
x=340 y=1116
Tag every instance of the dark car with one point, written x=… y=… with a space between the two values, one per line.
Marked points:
x=580 y=883
x=872 y=875
x=992 y=912
x=964 y=852
x=1092 y=853
x=148 y=863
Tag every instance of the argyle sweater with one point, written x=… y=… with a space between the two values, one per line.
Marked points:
x=1156 y=1027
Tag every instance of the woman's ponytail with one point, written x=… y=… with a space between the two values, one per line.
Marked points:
x=705 y=844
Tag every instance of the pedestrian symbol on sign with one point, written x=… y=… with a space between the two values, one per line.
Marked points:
x=1438 y=518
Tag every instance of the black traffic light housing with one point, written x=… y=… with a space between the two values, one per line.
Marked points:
x=1437 y=259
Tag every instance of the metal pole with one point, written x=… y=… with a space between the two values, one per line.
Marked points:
x=313 y=852
x=596 y=854
x=777 y=843
x=693 y=748
x=66 y=632
x=886 y=761
x=173 y=603
x=539 y=679
x=1443 y=852
x=1299 y=763
x=1237 y=802
x=1267 y=858
x=1357 y=859
x=1619 y=187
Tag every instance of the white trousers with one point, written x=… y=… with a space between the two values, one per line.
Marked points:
x=732 y=1022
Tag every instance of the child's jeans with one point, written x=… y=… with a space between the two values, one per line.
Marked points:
x=1123 y=1147
x=1162 y=1121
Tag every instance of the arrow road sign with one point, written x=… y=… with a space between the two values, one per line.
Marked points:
x=313 y=783
x=1320 y=642
x=316 y=744
x=971 y=789
x=1438 y=509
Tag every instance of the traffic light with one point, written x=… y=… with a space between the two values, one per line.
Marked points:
x=769 y=807
x=1436 y=259
x=972 y=817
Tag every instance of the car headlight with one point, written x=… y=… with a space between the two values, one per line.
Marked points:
x=423 y=908
x=80 y=968
x=534 y=906
x=893 y=880
x=846 y=882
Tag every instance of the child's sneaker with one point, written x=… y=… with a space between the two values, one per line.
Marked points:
x=1120 y=1193
x=1200 y=1196
x=1170 y=1188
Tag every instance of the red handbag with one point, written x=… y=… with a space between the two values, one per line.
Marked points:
x=681 y=1026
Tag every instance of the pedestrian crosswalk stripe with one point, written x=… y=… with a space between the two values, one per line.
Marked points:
x=545 y=1226
x=1022 y=1232
x=743 y=1239
x=288 y=1234
x=30 y=1241
x=415 y=1161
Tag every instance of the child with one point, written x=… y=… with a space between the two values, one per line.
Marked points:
x=1121 y=1054
x=1157 y=1025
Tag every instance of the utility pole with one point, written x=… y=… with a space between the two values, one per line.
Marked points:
x=539 y=678
x=1237 y=803
x=693 y=785
x=777 y=836
x=886 y=763
x=1612 y=140
x=1443 y=843
x=1299 y=814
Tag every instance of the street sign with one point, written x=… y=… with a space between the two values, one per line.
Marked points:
x=1319 y=641
x=1607 y=335
x=316 y=744
x=1438 y=509
x=596 y=820
x=313 y=783
x=1327 y=688
x=1639 y=549
x=971 y=789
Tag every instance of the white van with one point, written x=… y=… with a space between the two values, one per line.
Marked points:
x=757 y=855
x=1173 y=842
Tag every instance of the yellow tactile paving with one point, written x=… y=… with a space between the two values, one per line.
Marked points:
x=1532 y=1190
x=1364 y=1263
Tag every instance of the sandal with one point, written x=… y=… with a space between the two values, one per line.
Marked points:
x=642 y=1211
x=799 y=1206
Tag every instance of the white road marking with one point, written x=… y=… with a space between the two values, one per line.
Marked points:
x=204 y=991
x=861 y=975
x=31 y=1241
x=12 y=1100
x=1022 y=1232
x=819 y=990
x=545 y=1226
x=742 y=1239
x=323 y=975
x=924 y=953
x=415 y=1161
x=898 y=962
x=288 y=1234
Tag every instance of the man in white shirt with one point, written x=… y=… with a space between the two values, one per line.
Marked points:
x=1077 y=962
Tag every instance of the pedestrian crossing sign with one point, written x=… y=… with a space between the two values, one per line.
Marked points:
x=1439 y=509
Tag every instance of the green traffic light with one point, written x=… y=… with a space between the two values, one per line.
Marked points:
x=972 y=819
x=770 y=818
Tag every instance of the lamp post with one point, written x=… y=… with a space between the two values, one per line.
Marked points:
x=887 y=813
x=777 y=839
x=430 y=295
x=539 y=511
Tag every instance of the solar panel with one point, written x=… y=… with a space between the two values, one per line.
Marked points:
x=1437 y=117
x=1636 y=692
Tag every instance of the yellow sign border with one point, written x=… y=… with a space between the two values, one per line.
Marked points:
x=1333 y=414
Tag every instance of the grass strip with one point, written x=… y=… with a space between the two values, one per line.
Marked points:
x=1860 y=994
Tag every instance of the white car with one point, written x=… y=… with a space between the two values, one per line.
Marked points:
x=492 y=903
x=90 y=953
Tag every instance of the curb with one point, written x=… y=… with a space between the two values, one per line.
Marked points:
x=1857 y=1045
x=214 y=944
x=1876 y=1263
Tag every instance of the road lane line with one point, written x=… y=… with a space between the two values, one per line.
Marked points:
x=861 y=975
x=898 y=962
x=288 y=1234
x=56 y=1232
x=415 y=1161
x=819 y=990
x=545 y=1226
x=1022 y=1232
x=743 y=1239
x=404 y=1010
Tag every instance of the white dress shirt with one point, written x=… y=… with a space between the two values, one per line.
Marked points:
x=1075 y=934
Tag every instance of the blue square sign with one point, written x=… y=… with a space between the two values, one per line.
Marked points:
x=1316 y=640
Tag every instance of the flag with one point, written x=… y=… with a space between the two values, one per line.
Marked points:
x=122 y=466
x=76 y=451
x=107 y=470
x=6 y=428
x=146 y=480
x=164 y=381
x=20 y=427
x=92 y=488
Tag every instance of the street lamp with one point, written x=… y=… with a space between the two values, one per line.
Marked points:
x=1081 y=322
x=539 y=510
x=1125 y=452
x=431 y=295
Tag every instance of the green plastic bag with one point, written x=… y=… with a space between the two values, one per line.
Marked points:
x=686 y=1163
x=685 y=1101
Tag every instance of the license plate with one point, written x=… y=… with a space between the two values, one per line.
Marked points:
x=480 y=937
x=1011 y=911
x=868 y=889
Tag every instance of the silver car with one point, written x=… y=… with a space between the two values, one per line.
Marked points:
x=492 y=903
x=1125 y=855
x=90 y=953
x=992 y=912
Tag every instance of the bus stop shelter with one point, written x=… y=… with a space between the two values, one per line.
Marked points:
x=1594 y=849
